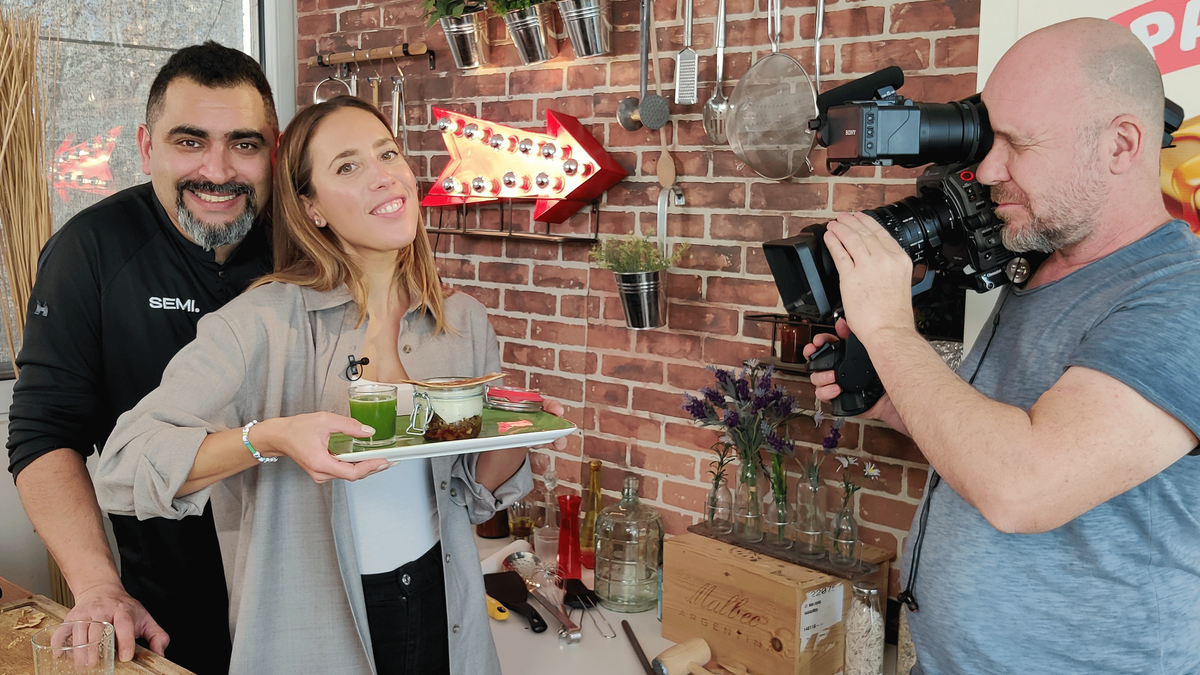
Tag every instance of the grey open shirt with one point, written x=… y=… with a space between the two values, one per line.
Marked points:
x=296 y=600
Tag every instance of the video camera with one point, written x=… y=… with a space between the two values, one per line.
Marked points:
x=950 y=227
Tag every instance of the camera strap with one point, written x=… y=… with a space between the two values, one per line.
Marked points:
x=907 y=596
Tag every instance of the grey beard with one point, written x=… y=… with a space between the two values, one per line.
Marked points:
x=206 y=235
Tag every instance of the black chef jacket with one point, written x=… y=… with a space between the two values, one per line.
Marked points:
x=119 y=291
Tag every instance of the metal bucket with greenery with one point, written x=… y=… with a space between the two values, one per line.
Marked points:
x=465 y=24
x=588 y=26
x=640 y=270
x=529 y=24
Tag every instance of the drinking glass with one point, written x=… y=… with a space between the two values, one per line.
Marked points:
x=75 y=648
x=545 y=543
x=375 y=406
x=520 y=518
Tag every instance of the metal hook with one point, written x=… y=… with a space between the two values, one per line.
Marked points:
x=663 y=195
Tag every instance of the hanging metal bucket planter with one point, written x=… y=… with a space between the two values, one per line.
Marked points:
x=644 y=298
x=532 y=34
x=467 y=35
x=588 y=26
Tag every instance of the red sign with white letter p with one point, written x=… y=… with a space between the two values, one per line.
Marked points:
x=1169 y=28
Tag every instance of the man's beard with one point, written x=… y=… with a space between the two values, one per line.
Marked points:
x=209 y=236
x=1065 y=217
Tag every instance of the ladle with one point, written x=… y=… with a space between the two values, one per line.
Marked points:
x=528 y=566
x=717 y=106
x=650 y=110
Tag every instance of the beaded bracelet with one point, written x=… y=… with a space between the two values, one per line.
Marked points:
x=246 y=442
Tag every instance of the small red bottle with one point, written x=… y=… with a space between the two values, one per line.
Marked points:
x=568 y=538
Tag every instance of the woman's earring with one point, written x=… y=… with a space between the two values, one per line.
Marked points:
x=319 y=222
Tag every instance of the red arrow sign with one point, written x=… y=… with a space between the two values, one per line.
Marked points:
x=84 y=166
x=563 y=169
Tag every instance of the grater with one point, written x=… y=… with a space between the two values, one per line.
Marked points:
x=686 y=63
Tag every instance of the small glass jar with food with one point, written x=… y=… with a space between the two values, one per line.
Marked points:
x=446 y=413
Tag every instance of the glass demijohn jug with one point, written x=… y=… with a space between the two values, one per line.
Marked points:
x=629 y=538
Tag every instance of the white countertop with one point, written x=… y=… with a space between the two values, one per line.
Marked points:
x=523 y=652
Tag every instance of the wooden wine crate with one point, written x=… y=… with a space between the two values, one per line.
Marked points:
x=775 y=617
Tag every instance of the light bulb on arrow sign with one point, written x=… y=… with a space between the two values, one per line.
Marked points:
x=563 y=169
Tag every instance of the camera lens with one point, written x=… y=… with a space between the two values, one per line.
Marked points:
x=956 y=132
x=918 y=224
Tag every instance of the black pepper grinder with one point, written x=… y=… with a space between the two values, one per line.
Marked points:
x=496 y=528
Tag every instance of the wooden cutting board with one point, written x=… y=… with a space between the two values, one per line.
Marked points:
x=16 y=654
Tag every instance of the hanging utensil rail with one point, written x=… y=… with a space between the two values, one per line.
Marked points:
x=361 y=55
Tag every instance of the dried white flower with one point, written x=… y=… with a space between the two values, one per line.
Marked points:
x=845 y=461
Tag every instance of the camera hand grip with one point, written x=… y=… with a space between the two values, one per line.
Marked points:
x=854 y=373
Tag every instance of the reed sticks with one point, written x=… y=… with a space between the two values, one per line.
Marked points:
x=26 y=220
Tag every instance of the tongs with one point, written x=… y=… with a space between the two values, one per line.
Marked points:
x=529 y=567
x=591 y=609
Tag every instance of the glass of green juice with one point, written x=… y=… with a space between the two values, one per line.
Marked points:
x=375 y=406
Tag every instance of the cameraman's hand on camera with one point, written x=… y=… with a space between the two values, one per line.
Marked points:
x=827 y=388
x=876 y=276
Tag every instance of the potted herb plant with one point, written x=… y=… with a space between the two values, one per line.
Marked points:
x=528 y=23
x=638 y=265
x=465 y=24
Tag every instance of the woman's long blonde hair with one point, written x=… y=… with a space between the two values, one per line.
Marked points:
x=311 y=256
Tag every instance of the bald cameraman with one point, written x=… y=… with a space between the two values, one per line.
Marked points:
x=1063 y=515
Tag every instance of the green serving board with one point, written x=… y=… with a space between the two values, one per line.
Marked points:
x=542 y=421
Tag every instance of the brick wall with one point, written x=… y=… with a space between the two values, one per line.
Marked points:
x=559 y=321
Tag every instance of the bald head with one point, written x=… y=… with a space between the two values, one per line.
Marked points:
x=1101 y=64
x=1077 y=113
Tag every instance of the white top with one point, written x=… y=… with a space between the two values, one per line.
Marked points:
x=393 y=513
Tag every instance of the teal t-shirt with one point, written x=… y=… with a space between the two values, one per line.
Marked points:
x=1117 y=590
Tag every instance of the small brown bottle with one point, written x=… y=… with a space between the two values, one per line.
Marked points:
x=496 y=528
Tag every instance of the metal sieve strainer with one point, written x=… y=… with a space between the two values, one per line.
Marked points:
x=769 y=111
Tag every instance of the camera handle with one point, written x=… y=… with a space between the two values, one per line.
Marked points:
x=852 y=367
x=854 y=373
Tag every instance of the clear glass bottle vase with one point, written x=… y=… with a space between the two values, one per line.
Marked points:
x=747 y=501
x=777 y=522
x=809 y=524
x=718 y=508
x=843 y=536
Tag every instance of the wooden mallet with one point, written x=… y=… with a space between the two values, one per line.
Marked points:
x=683 y=658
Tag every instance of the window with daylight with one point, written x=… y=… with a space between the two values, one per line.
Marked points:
x=104 y=55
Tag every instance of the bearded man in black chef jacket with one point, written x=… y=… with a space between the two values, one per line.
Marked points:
x=119 y=291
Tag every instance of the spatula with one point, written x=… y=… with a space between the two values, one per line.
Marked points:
x=686 y=63
x=509 y=588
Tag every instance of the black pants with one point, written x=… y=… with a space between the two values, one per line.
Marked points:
x=173 y=567
x=406 y=613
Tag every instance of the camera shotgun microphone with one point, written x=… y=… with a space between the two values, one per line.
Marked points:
x=864 y=88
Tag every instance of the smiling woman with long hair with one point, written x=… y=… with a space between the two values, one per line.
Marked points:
x=371 y=573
